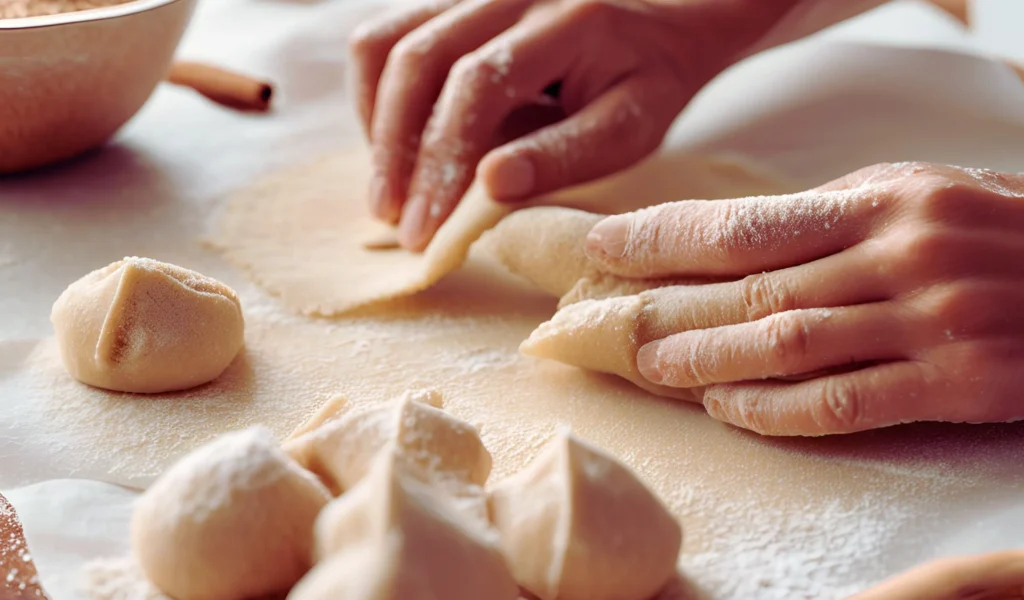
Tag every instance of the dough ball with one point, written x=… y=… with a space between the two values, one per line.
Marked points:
x=231 y=521
x=447 y=450
x=394 y=537
x=144 y=326
x=578 y=525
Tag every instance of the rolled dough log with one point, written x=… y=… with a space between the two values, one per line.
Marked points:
x=231 y=521
x=604 y=336
x=578 y=525
x=306 y=237
x=545 y=245
x=140 y=325
x=395 y=537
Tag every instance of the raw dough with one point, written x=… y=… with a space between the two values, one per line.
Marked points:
x=604 y=336
x=395 y=537
x=447 y=450
x=139 y=325
x=993 y=576
x=545 y=245
x=578 y=525
x=305 y=234
x=231 y=521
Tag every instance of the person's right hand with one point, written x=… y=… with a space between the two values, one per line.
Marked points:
x=891 y=295
x=437 y=85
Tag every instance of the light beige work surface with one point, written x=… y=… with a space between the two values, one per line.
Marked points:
x=763 y=519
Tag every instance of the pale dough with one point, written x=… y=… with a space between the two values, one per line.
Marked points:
x=394 y=537
x=139 y=325
x=443 y=447
x=993 y=576
x=578 y=525
x=604 y=336
x=545 y=245
x=306 y=236
x=231 y=521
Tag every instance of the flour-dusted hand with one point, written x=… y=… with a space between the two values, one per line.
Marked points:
x=891 y=295
x=440 y=86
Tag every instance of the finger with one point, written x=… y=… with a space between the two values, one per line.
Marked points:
x=869 y=398
x=623 y=125
x=482 y=90
x=370 y=45
x=732 y=237
x=790 y=343
x=843 y=279
x=413 y=76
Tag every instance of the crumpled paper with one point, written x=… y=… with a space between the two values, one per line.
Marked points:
x=904 y=82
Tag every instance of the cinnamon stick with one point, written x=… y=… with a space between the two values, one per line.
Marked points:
x=21 y=581
x=224 y=87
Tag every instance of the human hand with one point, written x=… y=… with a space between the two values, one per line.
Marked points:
x=891 y=295
x=436 y=86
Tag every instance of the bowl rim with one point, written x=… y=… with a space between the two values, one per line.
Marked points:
x=80 y=16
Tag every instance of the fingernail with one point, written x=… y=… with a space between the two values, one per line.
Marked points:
x=378 y=200
x=712 y=404
x=512 y=178
x=411 y=230
x=608 y=238
x=648 y=362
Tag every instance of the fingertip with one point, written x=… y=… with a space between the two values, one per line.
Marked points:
x=608 y=239
x=648 y=362
x=508 y=176
x=382 y=204
x=413 y=229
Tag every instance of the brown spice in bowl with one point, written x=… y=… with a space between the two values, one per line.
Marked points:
x=16 y=9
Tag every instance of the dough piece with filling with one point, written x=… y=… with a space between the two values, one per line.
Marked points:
x=576 y=524
x=139 y=325
x=306 y=236
x=604 y=336
x=545 y=245
x=447 y=450
x=394 y=537
x=231 y=521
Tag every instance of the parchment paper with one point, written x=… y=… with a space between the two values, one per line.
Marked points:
x=764 y=519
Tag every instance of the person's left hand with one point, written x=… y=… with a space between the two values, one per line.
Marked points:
x=892 y=295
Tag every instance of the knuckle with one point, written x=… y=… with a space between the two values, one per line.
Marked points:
x=786 y=341
x=764 y=296
x=755 y=416
x=951 y=304
x=473 y=73
x=411 y=53
x=588 y=11
x=365 y=39
x=840 y=407
x=937 y=198
x=924 y=250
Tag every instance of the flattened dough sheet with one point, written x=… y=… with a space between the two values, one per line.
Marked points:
x=306 y=236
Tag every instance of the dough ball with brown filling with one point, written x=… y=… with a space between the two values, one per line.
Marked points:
x=143 y=326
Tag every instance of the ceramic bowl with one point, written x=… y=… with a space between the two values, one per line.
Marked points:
x=68 y=82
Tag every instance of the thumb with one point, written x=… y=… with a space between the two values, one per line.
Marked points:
x=619 y=128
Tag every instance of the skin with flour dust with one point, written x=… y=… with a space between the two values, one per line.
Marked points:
x=885 y=297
